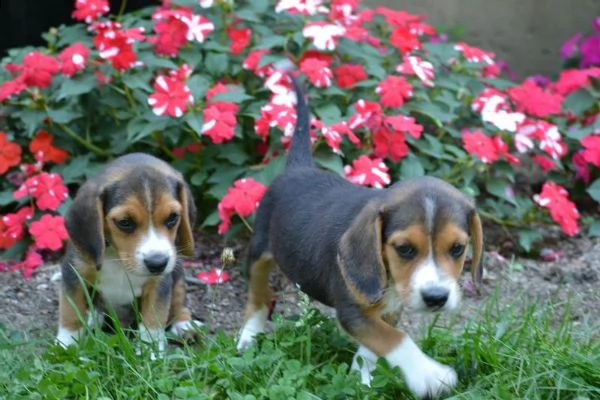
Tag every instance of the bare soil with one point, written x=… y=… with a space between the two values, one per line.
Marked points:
x=31 y=306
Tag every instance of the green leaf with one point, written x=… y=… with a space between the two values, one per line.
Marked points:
x=269 y=42
x=329 y=113
x=527 y=237
x=594 y=230
x=500 y=84
x=272 y=170
x=579 y=102
x=198 y=178
x=270 y=59
x=579 y=133
x=434 y=111
x=77 y=85
x=216 y=63
x=199 y=84
x=212 y=220
x=234 y=153
x=140 y=127
x=191 y=56
x=222 y=178
x=237 y=94
x=32 y=119
x=185 y=3
x=6 y=197
x=500 y=188
x=73 y=170
x=17 y=250
x=64 y=115
x=152 y=61
x=327 y=159
x=140 y=80
x=594 y=190
x=411 y=167
x=260 y=6
x=247 y=14
x=194 y=121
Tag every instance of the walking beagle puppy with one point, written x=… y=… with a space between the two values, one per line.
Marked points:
x=365 y=252
x=127 y=227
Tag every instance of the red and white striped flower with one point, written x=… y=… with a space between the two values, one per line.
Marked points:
x=414 y=65
x=323 y=34
x=171 y=95
x=304 y=7
x=368 y=172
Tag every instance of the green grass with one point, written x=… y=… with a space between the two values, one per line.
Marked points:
x=507 y=352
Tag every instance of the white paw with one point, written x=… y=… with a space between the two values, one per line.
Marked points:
x=366 y=366
x=95 y=319
x=157 y=340
x=255 y=325
x=66 y=337
x=424 y=376
x=184 y=328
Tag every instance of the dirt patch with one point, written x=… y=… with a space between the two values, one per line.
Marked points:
x=31 y=305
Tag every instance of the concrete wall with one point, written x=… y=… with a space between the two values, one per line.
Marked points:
x=526 y=33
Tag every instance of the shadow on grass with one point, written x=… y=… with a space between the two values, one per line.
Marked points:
x=516 y=351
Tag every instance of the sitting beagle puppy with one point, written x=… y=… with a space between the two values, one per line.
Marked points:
x=365 y=252
x=127 y=227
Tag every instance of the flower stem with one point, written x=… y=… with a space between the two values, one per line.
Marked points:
x=247 y=224
x=88 y=145
x=122 y=8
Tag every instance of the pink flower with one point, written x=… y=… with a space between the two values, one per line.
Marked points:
x=402 y=123
x=240 y=38
x=49 y=232
x=116 y=45
x=368 y=114
x=591 y=152
x=563 y=211
x=333 y=134
x=47 y=189
x=220 y=121
x=90 y=10
x=582 y=169
x=37 y=70
x=405 y=39
x=414 y=65
x=171 y=96
x=73 y=59
x=348 y=75
x=198 y=27
x=569 y=47
x=243 y=198
x=11 y=88
x=317 y=72
x=323 y=34
x=474 y=54
x=394 y=90
x=530 y=98
x=14 y=224
x=544 y=163
x=571 y=80
x=252 y=62
x=32 y=261
x=276 y=115
x=390 y=144
x=480 y=145
x=368 y=172
x=546 y=133
x=171 y=30
x=214 y=276
x=590 y=51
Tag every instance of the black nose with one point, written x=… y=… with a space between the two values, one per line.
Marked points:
x=156 y=262
x=435 y=297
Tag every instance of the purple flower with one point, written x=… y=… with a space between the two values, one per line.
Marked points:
x=590 y=51
x=569 y=46
x=540 y=80
x=596 y=23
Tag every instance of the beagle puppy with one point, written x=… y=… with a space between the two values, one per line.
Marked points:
x=365 y=252
x=127 y=227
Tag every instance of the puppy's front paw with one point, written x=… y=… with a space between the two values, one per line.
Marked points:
x=366 y=366
x=430 y=378
x=157 y=340
x=253 y=326
x=424 y=376
x=185 y=329
x=66 y=337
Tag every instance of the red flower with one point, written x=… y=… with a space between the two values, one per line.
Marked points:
x=73 y=59
x=171 y=96
x=582 y=169
x=530 y=98
x=317 y=72
x=10 y=153
x=414 y=65
x=405 y=40
x=171 y=32
x=591 y=152
x=218 y=88
x=180 y=152
x=252 y=62
x=368 y=172
x=547 y=134
x=214 y=276
x=324 y=35
x=30 y=264
x=13 y=224
x=37 y=70
x=243 y=198
x=198 y=27
x=348 y=75
x=47 y=189
x=480 y=145
x=502 y=150
x=49 y=232
x=368 y=114
x=571 y=80
x=545 y=163
x=394 y=90
x=333 y=134
x=474 y=54
x=563 y=211
x=220 y=121
x=402 y=123
x=42 y=149
x=240 y=38
x=116 y=45
x=304 y=7
x=276 y=115
x=90 y=10
x=390 y=144
x=11 y=88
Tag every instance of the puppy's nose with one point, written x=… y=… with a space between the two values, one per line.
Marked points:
x=435 y=296
x=156 y=262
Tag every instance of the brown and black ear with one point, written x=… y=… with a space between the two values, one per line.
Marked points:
x=477 y=243
x=84 y=221
x=185 y=238
x=360 y=257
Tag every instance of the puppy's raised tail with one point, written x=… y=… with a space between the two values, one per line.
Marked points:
x=300 y=153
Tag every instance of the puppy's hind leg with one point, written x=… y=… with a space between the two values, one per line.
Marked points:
x=259 y=295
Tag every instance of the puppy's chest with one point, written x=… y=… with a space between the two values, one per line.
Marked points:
x=118 y=288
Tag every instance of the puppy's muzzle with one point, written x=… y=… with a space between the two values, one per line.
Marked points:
x=435 y=297
x=156 y=262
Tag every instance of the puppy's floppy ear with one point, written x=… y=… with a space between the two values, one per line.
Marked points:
x=477 y=243
x=185 y=238
x=360 y=257
x=84 y=221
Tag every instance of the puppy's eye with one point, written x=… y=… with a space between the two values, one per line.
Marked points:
x=127 y=225
x=171 y=220
x=457 y=250
x=406 y=251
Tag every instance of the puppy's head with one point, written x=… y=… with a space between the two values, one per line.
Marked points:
x=412 y=241
x=142 y=209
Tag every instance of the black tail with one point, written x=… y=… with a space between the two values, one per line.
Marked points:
x=300 y=154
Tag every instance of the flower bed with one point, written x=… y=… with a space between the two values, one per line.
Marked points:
x=203 y=84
